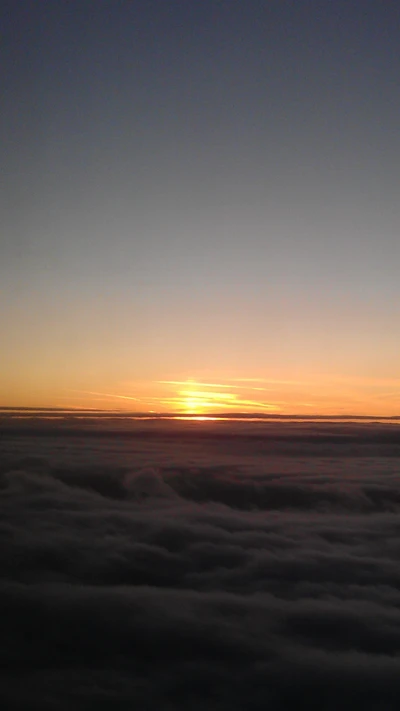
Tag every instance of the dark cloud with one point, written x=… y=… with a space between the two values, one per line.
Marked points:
x=261 y=584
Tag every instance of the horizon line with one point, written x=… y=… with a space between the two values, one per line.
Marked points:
x=190 y=415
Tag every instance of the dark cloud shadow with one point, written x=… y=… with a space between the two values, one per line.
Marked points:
x=214 y=585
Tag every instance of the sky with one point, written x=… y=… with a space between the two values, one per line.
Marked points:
x=199 y=205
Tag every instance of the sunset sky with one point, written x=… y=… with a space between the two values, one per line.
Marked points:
x=200 y=205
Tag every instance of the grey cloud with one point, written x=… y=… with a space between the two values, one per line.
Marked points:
x=203 y=586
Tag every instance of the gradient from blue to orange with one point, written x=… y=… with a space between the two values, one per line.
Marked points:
x=201 y=192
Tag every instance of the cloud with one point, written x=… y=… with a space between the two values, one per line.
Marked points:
x=228 y=386
x=199 y=583
x=107 y=395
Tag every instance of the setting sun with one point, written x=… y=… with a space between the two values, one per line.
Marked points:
x=196 y=402
x=191 y=404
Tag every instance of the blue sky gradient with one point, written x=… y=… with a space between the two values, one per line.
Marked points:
x=198 y=188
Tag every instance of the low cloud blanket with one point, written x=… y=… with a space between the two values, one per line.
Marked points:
x=264 y=583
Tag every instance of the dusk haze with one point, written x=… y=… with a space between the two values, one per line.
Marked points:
x=203 y=192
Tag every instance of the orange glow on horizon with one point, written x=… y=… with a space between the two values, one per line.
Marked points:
x=315 y=394
x=198 y=402
x=196 y=418
x=200 y=398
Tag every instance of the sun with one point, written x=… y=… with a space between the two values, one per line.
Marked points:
x=208 y=399
x=195 y=406
x=192 y=405
x=194 y=401
x=197 y=399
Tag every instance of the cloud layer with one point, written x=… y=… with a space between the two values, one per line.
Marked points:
x=250 y=586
